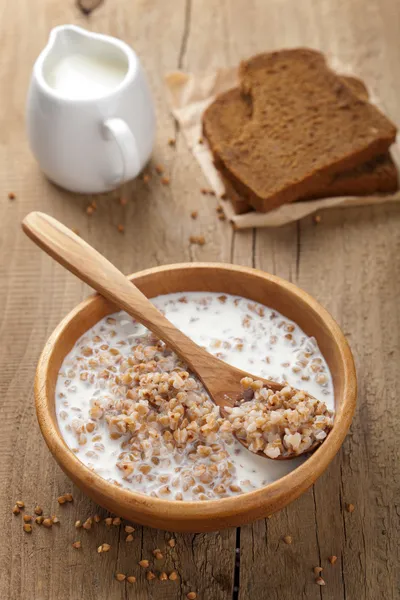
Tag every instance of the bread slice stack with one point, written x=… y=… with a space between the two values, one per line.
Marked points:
x=295 y=130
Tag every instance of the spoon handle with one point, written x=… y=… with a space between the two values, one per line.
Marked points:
x=90 y=266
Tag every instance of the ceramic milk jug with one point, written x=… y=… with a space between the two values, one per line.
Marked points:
x=90 y=115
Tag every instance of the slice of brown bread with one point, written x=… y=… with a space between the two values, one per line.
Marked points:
x=306 y=126
x=225 y=118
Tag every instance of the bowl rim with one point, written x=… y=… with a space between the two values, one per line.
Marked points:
x=277 y=492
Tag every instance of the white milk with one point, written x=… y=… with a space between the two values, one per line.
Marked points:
x=81 y=77
x=265 y=350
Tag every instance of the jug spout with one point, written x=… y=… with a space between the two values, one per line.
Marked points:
x=80 y=65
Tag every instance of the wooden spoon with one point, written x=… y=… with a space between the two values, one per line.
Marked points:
x=221 y=380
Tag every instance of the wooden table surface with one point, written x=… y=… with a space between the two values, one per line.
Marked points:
x=350 y=262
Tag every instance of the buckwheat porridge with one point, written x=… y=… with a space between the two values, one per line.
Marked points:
x=132 y=413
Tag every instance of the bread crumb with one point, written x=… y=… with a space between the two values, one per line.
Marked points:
x=194 y=214
x=123 y=201
x=121 y=228
x=77 y=545
x=171 y=142
x=165 y=180
x=203 y=191
x=317 y=219
x=159 y=169
x=200 y=140
x=146 y=178
x=89 y=210
x=11 y=196
x=221 y=217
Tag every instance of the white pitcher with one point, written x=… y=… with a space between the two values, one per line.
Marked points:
x=90 y=114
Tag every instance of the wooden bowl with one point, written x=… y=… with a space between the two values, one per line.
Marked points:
x=214 y=514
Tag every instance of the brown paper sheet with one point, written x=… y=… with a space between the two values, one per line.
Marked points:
x=189 y=96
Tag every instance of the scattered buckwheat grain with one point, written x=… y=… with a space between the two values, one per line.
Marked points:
x=27 y=518
x=159 y=169
x=173 y=576
x=150 y=575
x=28 y=528
x=88 y=523
x=129 y=529
x=194 y=214
x=171 y=142
x=131 y=579
x=97 y=518
x=158 y=554
x=103 y=548
x=38 y=510
x=144 y=563
x=39 y=520
x=197 y=239
x=108 y=521
x=55 y=519
x=16 y=510
x=165 y=180
x=120 y=577
x=20 y=504
x=171 y=543
x=163 y=576
x=78 y=524
x=77 y=545
x=288 y=539
x=61 y=499
x=129 y=538
x=332 y=559
x=121 y=228
x=320 y=581
x=47 y=522
x=89 y=210
x=350 y=508
x=146 y=178
x=317 y=219
x=11 y=196
x=116 y=521
x=317 y=570
x=191 y=596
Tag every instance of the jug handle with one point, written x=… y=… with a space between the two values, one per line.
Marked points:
x=116 y=129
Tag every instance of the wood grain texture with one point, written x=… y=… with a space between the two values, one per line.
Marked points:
x=350 y=263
